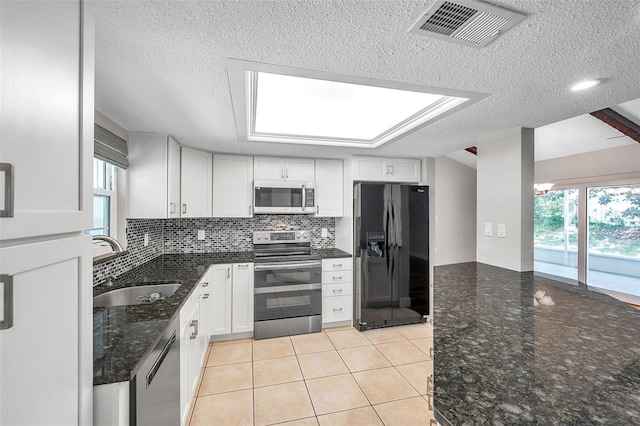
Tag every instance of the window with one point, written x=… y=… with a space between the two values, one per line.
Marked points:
x=104 y=198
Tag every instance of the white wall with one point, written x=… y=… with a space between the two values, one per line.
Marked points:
x=603 y=165
x=455 y=201
x=505 y=196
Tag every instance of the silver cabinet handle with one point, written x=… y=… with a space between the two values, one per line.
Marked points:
x=337 y=309
x=337 y=278
x=172 y=208
x=194 y=324
x=391 y=169
x=386 y=169
x=431 y=352
x=228 y=272
x=184 y=208
x=243 y=266
x=205 y=296
x=7 y=308
x=249 y=208
x=7 y=209
x=317 y=209
x=338 y=290
x=286 y=173
x=205 y=284
x=282 y=173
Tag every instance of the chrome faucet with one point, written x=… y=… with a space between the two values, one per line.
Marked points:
x=115 y=245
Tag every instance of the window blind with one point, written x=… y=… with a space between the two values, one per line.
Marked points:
x=109 y=147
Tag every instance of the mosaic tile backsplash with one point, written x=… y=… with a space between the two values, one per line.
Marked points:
x=168 y=236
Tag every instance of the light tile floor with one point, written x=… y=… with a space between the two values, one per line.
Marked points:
x=339 y=376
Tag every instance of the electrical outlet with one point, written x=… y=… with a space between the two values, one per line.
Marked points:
x=146 y=239
x=325 y=232
x=488 y=229
x=200 y=234
x=502 y=231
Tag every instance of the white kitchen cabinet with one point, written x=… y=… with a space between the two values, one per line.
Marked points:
x=221 y=293
x=242 y=299
x=189 y=355
x=153 y=176
x=196 y=181
x=232 y=186
x=47 y=104
x=276 y=168
x=337 y=291
x=379 y=169
x=45 y=353
x=329 y=188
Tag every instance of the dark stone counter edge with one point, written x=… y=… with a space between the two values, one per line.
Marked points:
x=225 y=257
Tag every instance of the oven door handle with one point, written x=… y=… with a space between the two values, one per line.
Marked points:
x=283 y=288
x=286 y=265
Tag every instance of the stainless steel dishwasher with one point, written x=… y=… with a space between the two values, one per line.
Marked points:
x=155 y=391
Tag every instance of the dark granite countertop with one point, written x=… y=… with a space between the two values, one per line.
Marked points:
x=501 y=360
x=331 y=253
x=123 y=336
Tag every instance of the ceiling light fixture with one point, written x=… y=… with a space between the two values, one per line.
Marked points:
x=583 y=85
x=541 y=189
x=273 y=103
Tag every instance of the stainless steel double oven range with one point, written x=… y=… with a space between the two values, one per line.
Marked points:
x=288 y=284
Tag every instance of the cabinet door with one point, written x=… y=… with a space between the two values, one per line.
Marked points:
x=45 y=354
x=369 y=169
x=404 y=170
x=329 y=188
x=242 y=317
x=301 y=169
x=268 y=168
x=173 y=178
x=47 y=86
x=196 y=177
x=193 y=353
x=232 y=186
x=221 y=294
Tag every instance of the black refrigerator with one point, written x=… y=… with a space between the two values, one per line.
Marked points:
x=391 y=241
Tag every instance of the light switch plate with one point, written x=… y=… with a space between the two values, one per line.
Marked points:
x=325 y=233
x=488 y=229
x=200 y=234
x=502 y=231
x=146 y=239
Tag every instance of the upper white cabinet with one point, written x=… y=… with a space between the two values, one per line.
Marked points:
x=47 y=85
x=329 y=188
x=154 y=176
x=386 y=169
x=275 y=168
x=196 y=181
x=232 y=186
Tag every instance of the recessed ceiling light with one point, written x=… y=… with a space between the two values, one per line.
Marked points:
x=586 y=84
x=290 y=105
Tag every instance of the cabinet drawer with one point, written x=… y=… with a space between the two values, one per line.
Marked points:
x=341 y=289
x=337 y=308
x=334 y=277
x=341 y=264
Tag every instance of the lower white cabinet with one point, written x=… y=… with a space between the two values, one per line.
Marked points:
x=242 y=298
x=45 y=332
x=232 y=293
x=337 y=291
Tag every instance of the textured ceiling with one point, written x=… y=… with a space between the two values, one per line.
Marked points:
x=160 y=65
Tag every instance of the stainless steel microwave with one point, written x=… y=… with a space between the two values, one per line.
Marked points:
x=284 y=197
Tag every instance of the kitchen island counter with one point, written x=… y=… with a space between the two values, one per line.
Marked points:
x=501 y=360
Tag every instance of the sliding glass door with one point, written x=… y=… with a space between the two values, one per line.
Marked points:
x=613 y=241
x=556 y=234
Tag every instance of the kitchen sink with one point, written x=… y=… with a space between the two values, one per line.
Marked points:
x=136 y=295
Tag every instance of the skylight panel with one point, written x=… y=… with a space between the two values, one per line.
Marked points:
x=296 y=106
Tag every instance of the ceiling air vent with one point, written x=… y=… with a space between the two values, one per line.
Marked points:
x=467 y=22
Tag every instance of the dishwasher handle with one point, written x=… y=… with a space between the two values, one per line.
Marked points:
x=156 y=365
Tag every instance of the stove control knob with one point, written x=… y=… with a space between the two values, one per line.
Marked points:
x=259 y=237
x=305 y=235
x=298 y=235
x=266 y=237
